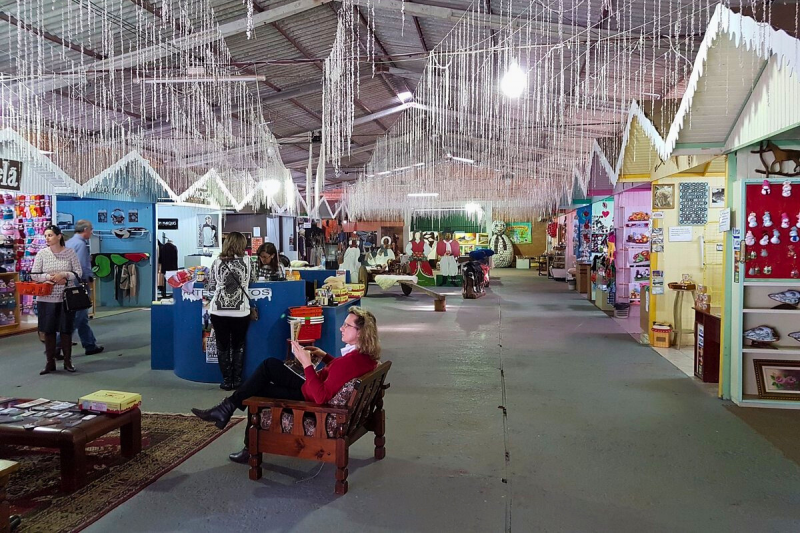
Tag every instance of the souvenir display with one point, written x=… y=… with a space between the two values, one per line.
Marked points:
x=795 y=335
x=693 y=203
x=765 y=250
x=790 y=297
x=761 y=336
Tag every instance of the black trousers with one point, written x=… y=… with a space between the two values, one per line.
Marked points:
x=231 y=332
x=271 y=380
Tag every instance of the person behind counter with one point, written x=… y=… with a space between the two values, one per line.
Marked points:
x=230 y=307
x=55 y=265
x=268 y=266
x=272 y=379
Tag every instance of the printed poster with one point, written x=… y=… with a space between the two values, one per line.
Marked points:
x=519 y=232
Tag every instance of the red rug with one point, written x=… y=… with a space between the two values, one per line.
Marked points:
x=35 y=489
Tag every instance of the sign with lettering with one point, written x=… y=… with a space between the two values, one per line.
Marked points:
x=167 y=223
x=10 y=174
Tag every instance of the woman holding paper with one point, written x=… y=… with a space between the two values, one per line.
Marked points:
x=273 y=379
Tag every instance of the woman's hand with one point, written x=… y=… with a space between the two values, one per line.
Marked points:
x=301 y=354
x=316 y=352
x=60 y=278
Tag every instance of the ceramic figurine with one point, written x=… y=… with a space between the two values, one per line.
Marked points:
x=767 y=219
x=764 y=252
x=784 y=220
x=764 y=239
x=765 y=187
x=776 y=237
x=795 y=335
x=786 y=192
x=749 y=238
x=758 y=271
x=752 y=221
x=761 y=334
x=795 y=273
x=791 y=297
x=751 y=272
x=752 y=255
x=767 y=270
x=793 y=236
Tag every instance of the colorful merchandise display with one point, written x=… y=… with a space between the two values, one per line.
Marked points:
x=773 y=222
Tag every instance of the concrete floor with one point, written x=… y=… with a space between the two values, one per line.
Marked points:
x=526 y=410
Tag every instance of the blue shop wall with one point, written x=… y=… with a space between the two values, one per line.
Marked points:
x=87 y=208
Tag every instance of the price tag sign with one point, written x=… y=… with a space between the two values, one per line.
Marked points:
x=10 y=174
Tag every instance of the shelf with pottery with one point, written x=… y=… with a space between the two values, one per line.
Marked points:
x=765 y=330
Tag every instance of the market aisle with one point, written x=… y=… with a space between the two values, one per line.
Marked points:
x=602 y=434
x=606 y=435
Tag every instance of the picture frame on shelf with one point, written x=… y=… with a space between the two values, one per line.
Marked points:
x=664 y=196
x=777 y=379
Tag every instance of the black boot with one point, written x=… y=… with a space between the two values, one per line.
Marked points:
x=224 y=359
x=66 y=350
x=49 y=353
x=242 y=456
x=220 y=414
x=237 y=363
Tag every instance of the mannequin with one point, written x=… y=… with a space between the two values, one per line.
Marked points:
x=418 y=250
x=448 y=251
x=351 y=261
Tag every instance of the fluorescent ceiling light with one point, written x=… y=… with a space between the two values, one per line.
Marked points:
x=422 y=194
x=419 y=164
x=405 y=96
x=463 y=159
x=514 y=81
x=204 y=79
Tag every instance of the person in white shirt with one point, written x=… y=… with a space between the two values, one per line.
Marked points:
x=230 y=307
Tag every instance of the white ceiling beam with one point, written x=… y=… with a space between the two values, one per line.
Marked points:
x=496 y=22
x=271 y=15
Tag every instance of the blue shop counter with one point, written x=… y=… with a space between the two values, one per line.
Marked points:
x=177 y=330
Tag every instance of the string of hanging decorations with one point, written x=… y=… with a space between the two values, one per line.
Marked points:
x=513 y=100
x=157 y=81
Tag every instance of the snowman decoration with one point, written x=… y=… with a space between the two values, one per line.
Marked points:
x=501 y=245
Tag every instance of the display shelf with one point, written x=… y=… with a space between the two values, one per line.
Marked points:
x=778 y=350
x=789 y=281
x=770 y=311
x=751 y=400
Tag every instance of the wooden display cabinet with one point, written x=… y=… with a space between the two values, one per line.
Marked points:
x=7 y=278
x=706 y=346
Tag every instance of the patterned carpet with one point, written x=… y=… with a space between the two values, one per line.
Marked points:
x=34 y=491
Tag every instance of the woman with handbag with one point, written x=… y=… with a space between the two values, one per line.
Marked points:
x=56 y=265
x=230 y=308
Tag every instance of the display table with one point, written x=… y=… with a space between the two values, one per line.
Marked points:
x=707 y=328
x=266 y=337
x=319 y=276
x=71 y=441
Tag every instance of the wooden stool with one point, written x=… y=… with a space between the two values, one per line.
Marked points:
x=677 y=309
x=6 y=469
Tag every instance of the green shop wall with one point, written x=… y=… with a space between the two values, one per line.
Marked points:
x=455 y=221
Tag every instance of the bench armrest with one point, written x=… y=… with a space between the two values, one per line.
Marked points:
x=309 y=407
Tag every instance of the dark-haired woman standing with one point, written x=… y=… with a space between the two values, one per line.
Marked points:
x=56 y=265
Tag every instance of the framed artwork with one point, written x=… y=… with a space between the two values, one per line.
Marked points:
x=519 y=232
x=777 y=380
x=102 y=216
x=664 y=196
x=693 y=203
x=133 y=215
x=208 y=231
x=717 y=196
x=465 y=238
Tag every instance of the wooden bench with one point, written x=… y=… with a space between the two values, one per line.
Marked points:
x=6 y=469
x=362 y=413
x=439 y=300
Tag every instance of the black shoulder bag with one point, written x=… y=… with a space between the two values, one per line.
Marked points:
x=253 y=308
x=77 y=298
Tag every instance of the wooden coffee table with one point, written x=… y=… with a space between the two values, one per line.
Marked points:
x=72 y=441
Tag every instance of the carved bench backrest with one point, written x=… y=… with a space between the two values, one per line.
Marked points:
x=367 y=396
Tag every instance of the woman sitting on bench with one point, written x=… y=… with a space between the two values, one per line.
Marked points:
x=273 y=380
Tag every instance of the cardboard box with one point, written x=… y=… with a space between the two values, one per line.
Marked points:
x=109 y=401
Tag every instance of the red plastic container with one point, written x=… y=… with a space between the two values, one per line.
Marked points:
x=310 y=332
x=305 y=311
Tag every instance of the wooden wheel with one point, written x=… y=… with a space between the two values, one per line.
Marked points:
x=405 y=288
x=363 y=278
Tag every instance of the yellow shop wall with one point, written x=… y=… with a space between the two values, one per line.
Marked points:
x=681 y=258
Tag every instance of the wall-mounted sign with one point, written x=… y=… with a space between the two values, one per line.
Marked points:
x=10 y=174
x=680 y=234
x=167 y=223
x=724 y=220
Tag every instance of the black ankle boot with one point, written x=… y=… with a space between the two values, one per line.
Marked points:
x=220 y=414
x=241 y=457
